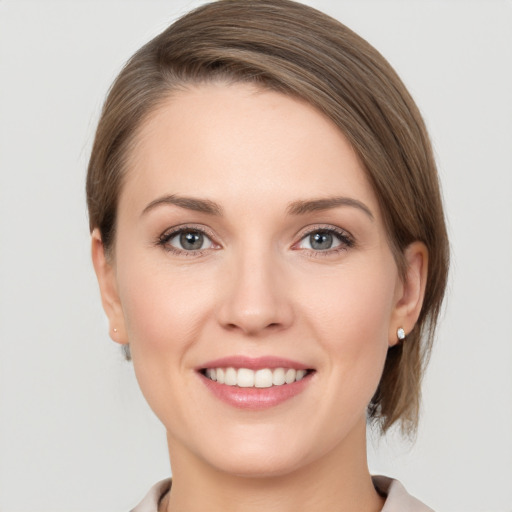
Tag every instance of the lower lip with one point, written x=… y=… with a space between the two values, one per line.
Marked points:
x=256 y=398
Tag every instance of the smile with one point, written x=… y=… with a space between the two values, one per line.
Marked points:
x=248 y=378
x=255 y=383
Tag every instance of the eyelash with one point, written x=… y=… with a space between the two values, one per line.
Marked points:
x=164 y=239
x=346 y=240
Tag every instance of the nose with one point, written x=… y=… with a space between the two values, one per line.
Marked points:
x=255 y=297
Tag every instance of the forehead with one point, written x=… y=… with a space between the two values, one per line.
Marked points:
x=227 y=142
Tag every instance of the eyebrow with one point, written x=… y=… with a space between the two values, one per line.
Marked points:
x=314 y=205
x=189 y=203
x=300 y=207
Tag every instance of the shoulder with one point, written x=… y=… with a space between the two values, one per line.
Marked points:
x=397 y=498
x=153 y=497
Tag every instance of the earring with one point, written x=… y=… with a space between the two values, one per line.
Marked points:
x=115 y=330
x=400 y=333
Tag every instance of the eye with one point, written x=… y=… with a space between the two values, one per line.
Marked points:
x=186 y=240
x=325 y=240
x=320 y=241
x=190 y=241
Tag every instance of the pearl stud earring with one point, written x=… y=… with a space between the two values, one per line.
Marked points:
x=400 y=333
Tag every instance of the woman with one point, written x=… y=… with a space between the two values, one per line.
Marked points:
x=269 y=241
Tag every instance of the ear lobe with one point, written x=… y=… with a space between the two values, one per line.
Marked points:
x=411 y=293
x=105 y=273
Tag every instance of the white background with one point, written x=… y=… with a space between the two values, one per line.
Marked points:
x=75 y=433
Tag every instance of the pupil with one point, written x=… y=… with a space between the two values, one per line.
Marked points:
x=191 y=240
x=321 y=241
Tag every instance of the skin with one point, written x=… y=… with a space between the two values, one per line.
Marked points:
x=257 y=289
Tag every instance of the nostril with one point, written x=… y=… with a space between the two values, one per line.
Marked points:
x=254 y=328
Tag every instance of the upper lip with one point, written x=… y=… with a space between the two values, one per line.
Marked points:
x=254 y=363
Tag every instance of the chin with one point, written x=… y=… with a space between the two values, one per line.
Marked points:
x=260 y=466
x=268 y=457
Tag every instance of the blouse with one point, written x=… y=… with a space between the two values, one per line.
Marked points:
x=397 y=498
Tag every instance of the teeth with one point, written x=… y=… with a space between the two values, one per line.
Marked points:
x=289 y=376
x=300 y=374
x=230 y=377
x=278 y=377
x=246 y=378
x=263 y=378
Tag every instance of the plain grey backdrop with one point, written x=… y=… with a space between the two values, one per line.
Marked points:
x=75 y=432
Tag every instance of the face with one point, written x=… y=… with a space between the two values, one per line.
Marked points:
x=253 y=279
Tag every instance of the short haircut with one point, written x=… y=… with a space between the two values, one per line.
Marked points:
x=284 y=46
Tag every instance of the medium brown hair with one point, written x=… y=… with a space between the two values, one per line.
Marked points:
x=296 y=50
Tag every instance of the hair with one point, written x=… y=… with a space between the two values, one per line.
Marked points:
x=296 y=50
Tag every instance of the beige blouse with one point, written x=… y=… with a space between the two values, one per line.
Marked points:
x=397 y=498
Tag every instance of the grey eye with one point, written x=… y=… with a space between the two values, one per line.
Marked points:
x=321 y=240
x=324 y=240
x=190 y=240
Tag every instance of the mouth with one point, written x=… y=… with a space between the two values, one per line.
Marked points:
x=255 y=383
x=260 y=378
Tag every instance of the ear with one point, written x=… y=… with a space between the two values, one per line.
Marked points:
x=410 y=292
x=106 y=275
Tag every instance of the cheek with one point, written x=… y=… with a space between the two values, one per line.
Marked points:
x=164 y=314
x=351 y=316
x=353 y=307
x=162 y=310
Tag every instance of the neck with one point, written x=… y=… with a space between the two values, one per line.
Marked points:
x=338 y=481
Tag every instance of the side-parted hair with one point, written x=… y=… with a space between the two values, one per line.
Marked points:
x=296 y=50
